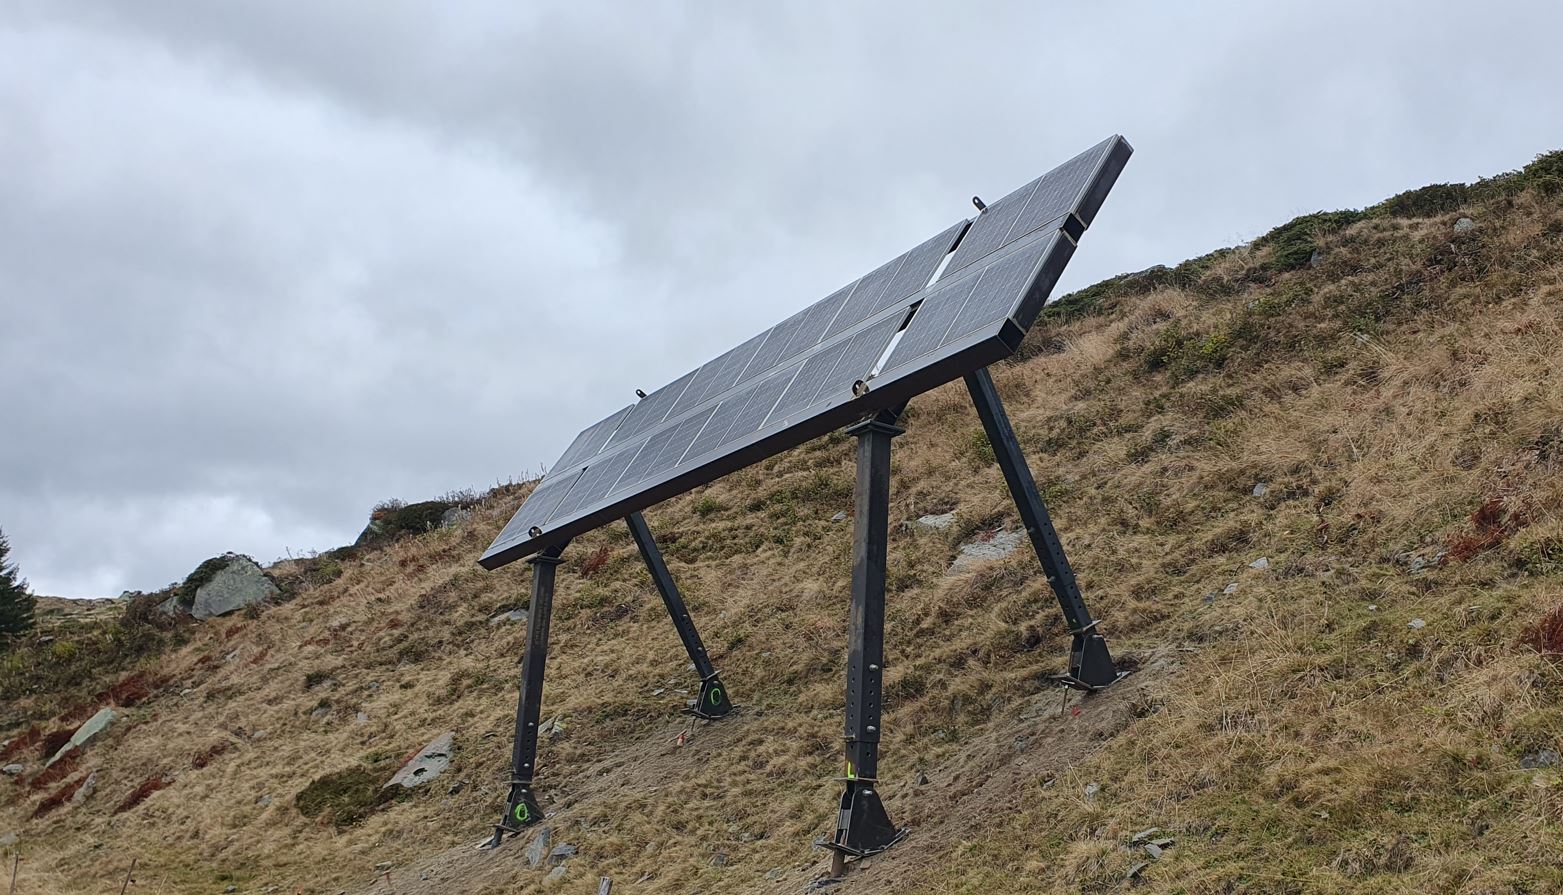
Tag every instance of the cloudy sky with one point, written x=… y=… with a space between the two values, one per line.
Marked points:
x=264 y=264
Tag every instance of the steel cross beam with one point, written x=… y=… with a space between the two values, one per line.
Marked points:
x=713 y=701
x=1090 y=665
x=521 y=808
x=862 y=826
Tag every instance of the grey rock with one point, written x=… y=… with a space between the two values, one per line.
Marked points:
x=1260 y=564
x=264 y=801
x=537 y=849
x=975 y=553
x=1153 y=850
x=937 y=522
x=1143 y=835
x=454 y=516
x=922 y=779
x=774 y=874
x=89 y=729
x=1464 y=225
x=1210 y=598
x=1230 y=589
x=9 y=839
x=1546 y=758
x=457 y=787
x=229 y=890
x=428 y=764
x=1091 y=789
x=361 y=717
x=514 y=615
x=241 y=583
x=12 y=770
x=88 y=787
x=258 y=735
x=1416 y=624
x=719 y=859
x=1261 y=488
x=1372 y=607
x=383 y=866
x=839 y=517
x=560 y=853
x=1316 y=258
x=320 y=712
x=171 y=606
x=1137 y=869
x=556 y=874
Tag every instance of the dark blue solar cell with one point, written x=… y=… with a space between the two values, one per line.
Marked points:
x=759 y=405
x=858 y=360
x=640 y=467
x=774 y=350
x=716 y=428
x=717 y=376
x=1060 y=190
x=918 y=267
x=990 y=230
x=591 y=440
x=815 y=320
x=652 y=409
x=596 y=481
x=1000 y=288
x=538 y=506
x=865 y=296
x=800 y=392
x=932 y=321
x=683 y=436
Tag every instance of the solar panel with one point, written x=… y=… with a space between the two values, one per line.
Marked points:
x=796 y=380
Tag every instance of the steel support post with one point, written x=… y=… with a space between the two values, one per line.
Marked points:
x=1090 y=665
x=713 y=701
x=521 y=807
x=862 y=825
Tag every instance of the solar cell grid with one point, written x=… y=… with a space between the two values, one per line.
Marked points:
x=997 y=290
x=1058 y=192
x=865 y=297
x=800 y=393
x=759 y=405
x=652 y=409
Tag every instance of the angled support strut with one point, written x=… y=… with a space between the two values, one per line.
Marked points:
x=521 y=808
x=862 y=825
x=713 y=701
x=1090 y=665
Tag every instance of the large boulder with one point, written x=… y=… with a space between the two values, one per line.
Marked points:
x=89 y=729
x=240 y=583
x=429 y=763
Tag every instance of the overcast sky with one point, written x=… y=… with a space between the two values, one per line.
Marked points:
x=264 y=264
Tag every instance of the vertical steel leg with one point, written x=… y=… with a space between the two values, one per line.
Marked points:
x=521 y=807
x=1090 y=665
x=862 y=826
x=713 y=701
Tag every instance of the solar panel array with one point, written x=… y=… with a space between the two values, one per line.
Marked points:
x=828 y=362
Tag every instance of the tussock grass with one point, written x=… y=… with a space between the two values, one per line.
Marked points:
x=1399 y=397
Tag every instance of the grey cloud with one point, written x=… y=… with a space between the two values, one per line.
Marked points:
x=263 y=264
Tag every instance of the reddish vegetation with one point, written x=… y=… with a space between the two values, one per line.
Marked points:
x=1546 y=635
x=1492 y=522
x=205 y=756
x=24 y=742
x=139 y=794
x=594 y=561
x=53 y=741
x=131 y=690
x=59 y=796
x=56 y=772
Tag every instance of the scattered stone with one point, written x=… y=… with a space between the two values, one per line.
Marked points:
x=514 y=615
x=89 y=729
x=556 y=874
x=1261 y=488
x=229 y=890
x=320 y=712
x=1464 y=225
x=258 y=735
x=1316 y=258
x=560 y=853
x=1546 y=758
x=1210 y=597
x=1091 y=789
x=1372 y=607
x=537 y=849
x=241 y=583
x=1153 y=850
x=88 y=787
x=433 y=761
x=719 y=859
x=1143 y=835
x=659 y=691
x=454 y=516
x=774 y=874
x=1230 y=589
x=13 y=770
x=938 y=522
x=996 y=545
x=1136 y=870
x=839 y=517
x=922 y=779
x=555 y=725
x=264 y=801
x=171 y=606
x=362 y=717
x=1166 y=841
x=1260 y=564
x=383 y=866
x=1416 y=624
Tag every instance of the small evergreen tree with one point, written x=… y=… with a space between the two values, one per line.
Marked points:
x=16 y=604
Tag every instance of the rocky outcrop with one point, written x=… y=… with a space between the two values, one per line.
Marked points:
x=240 y=583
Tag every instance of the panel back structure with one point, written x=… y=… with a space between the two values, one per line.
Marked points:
x=954 y=303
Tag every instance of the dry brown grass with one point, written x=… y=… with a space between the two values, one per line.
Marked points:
x=1312 y=742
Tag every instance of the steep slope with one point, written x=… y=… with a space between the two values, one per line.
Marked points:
x=1364 y=712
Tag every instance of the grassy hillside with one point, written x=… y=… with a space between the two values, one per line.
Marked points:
x=1358 y=715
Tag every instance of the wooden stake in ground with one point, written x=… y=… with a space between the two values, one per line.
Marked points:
x=604 y=886
x=128 y=874
x=16 y=863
